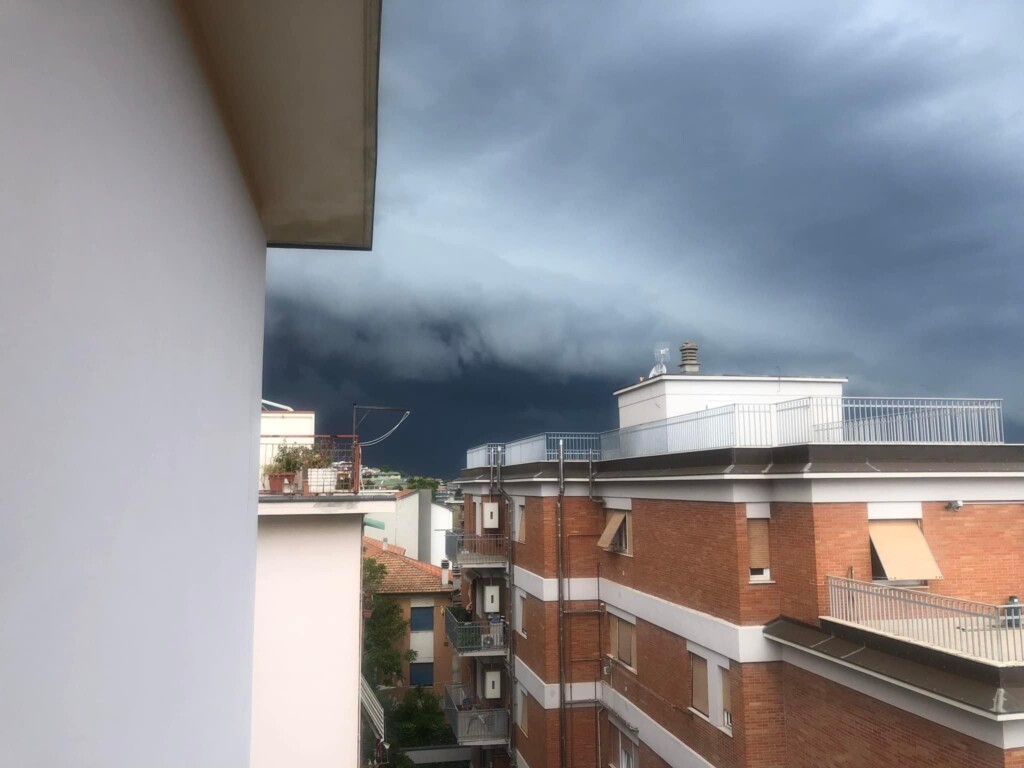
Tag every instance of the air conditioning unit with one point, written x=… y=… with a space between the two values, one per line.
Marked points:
x=487 y=641
x=490 y=514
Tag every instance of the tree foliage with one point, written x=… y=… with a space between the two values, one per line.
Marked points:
x=416 y=482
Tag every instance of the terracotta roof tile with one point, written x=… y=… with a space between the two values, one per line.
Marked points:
x=404 y=574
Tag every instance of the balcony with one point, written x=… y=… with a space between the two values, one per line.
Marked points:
x=474 y=550
x=476 y=638
x=474 y=722
x=311 y=465
x=988 y=633
x=807 y=420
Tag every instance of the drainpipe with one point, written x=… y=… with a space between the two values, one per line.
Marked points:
x=510 y=634
x=561 y=607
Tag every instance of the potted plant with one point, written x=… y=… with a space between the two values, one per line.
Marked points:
x=286 y=465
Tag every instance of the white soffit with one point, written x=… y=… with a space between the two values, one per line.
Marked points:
x=296 y=85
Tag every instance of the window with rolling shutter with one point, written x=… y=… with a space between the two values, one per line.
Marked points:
x=726 y=698
x=699 y=683
x=760 y=555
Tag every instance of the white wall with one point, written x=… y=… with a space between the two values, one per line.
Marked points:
x=670 y=396
x=441 y=520
x=307 y=643
x=131 y=332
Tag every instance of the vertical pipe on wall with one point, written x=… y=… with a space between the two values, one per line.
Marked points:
x=561 y=604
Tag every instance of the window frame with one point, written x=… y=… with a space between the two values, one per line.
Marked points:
x=614 y=635
x=621 y=542
x=718 y=672
x=420 y=665
x=413 y=613
x=519 y=516
x=522 y=711
x=520 y=618
x=760 y=574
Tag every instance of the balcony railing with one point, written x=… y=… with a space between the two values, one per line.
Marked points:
x=472 y=722
x=310 y=465
x=889 y=420
x=474 y=549
x=762 y=425
x=486 y=455
x=475 y=638
x=982 y=631
x=728 y=426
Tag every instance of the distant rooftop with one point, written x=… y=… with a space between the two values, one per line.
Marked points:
x=404 y=574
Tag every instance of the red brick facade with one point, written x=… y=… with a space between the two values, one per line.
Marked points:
x=695 y=554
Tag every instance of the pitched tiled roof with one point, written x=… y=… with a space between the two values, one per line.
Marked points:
x=405 y=575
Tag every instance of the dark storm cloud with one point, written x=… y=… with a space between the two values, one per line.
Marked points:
x=816 y=188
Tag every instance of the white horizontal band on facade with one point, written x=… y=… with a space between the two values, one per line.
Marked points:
x=668 y=747
x=744 y=644
x=547 y=693
x=1005 y=734
x=547 y=589
x=894 y=510
x=741 y=643
x=846 y=487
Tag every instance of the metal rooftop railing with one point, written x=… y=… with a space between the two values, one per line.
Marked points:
x=807 y=420
x=981 y=631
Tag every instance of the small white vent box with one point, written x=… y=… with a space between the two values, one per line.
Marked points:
x=490 y=514
x=492 y=684
x=492 y=599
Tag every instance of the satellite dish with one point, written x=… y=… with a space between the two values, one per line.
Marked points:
x=660 y=360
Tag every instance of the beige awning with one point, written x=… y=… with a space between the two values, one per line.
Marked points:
x=903 y=551
x=615 y=521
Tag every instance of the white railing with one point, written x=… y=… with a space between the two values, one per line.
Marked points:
x=578 y=446
x=889 y=420
x=978 y=630
x=761 y=425
x=372 y=706
x=729 y=426
x=486 y=455
x=474 y=722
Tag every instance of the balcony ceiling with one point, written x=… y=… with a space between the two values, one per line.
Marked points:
x=296 y=84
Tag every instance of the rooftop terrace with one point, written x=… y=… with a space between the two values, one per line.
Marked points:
x=802 y=421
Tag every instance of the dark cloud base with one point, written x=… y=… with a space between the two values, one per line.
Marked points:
x=481 y=403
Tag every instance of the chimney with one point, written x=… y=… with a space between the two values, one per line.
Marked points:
x=446 y=573
x=688 y=358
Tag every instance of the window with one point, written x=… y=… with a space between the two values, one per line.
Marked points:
x=623 y=640
x=521 y=614
x=522 y=697
x=618 y=532
x=726 y=697
x=421 y=673
x=757 y=542
x=421 y=620
x=520 y=518
x=626 y=751
x=899 y=552
x=699 y=684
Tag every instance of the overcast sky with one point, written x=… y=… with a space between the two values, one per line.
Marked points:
x=811 y=188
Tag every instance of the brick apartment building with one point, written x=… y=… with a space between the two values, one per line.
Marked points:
x=748 y=572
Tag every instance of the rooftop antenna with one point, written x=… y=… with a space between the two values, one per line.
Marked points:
x=660 y=360
x=359 y=413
